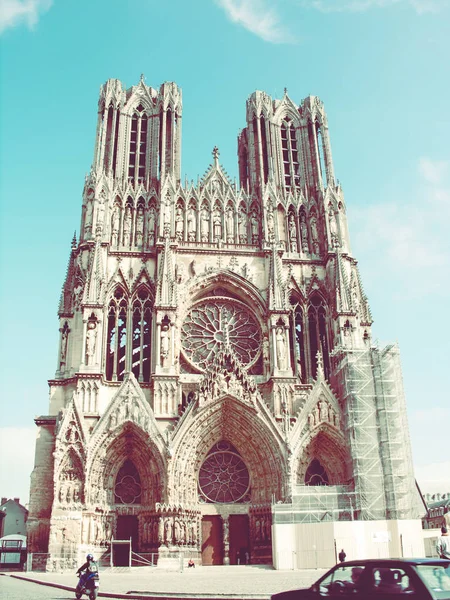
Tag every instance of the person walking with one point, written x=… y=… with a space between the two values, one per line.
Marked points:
x=342 y=556
x=443 y=544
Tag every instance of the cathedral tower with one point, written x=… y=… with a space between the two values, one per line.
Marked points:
x=216 y=376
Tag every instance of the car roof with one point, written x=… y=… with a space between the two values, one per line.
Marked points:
x=392 y=561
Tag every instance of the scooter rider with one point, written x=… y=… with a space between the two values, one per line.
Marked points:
x=90 y=566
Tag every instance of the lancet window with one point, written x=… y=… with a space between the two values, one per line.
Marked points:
x=298 y=342
x=128 y=343
x=141 y=337
x=318 y=334
x=138 y=145
x=320 y=149
x=290 y=154
x=116 y=336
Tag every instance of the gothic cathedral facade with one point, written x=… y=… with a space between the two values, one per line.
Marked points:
x=217 y=388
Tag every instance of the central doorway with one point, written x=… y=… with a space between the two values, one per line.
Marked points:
x=212 y=540
x=128 y=527
x=239 y=540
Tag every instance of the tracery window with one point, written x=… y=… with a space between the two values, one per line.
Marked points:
x=116 y=336
x=223 y=477
x=290 y=154
x=216 y=322
x=138 y=145
x=320 y=148
x=141 y=336
x=298 y=345
x=265 y=157
x=127 y=489
x=316 y=474
x=318 y=334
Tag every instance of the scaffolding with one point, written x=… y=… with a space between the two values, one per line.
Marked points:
x=370 y=386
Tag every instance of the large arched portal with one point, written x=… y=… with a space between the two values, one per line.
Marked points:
x=230 y=462
x=129 y=470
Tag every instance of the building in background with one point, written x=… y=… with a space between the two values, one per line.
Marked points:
x=217 y=390
x=15 y=517
x=438 y=513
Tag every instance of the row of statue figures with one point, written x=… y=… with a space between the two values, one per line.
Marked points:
x=139 y=227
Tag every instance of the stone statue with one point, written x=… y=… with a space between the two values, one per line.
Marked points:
x=217 y=225
x=179 y=224
x=164 y=342
x=270 y=223
x=292 y=234
x=100 y=214
x=242 y=226
x=304 y=233
x=191 y=224
x=88 y=220
x=115 y=225
x=64 y=340
x=255 y=227
x=333 y=228
x=314 y=235
x=281 y=349
x=204 y=230
x=230 y=225
x=139 y=226
x=127 y=227
x=166 y=214
x=91 y=339
x=151 y=226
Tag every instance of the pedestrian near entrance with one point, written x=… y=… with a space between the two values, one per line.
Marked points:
x=342 y=556
x=443 y=544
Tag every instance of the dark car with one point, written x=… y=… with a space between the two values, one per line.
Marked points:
x=382 y=579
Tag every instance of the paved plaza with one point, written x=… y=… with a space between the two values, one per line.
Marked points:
x=227 y=582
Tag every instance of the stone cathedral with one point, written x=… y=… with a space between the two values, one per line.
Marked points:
x=217 y=390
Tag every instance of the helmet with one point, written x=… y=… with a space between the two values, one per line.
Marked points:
x=90 y=557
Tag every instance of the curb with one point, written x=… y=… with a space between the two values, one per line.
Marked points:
x=136 y=595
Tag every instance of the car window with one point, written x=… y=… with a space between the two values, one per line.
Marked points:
x=436 y=577
x=341 y=582
x=390 y=580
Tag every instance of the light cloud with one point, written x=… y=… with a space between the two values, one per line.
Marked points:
x=259 y=18
x=420 y=6
x=433 y=478
x=411 y=234
x=17 y=12
x=16 y=461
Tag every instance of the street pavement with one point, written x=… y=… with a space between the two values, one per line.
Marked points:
x=249 y=581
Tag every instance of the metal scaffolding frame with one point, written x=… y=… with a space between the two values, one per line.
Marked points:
x=370 y=385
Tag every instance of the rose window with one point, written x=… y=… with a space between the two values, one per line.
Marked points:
x=128 y=485
x=214 y=323
x=223 y=477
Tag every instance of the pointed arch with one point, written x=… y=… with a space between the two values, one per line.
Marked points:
x=246 y=431
x=324 y=454
x=128 y=442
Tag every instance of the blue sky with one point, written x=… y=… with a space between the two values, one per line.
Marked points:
x=380 y=66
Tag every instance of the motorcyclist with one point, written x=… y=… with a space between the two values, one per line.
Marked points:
x=90 y=566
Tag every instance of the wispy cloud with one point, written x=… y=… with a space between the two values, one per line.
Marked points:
x=434 y=477
x=411 y=234
x=420 y=6
x=18 y=12
x=259 y=18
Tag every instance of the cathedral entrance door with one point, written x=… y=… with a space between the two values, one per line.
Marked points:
x=128 y=527
x=212 y=540
x=239 y=540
